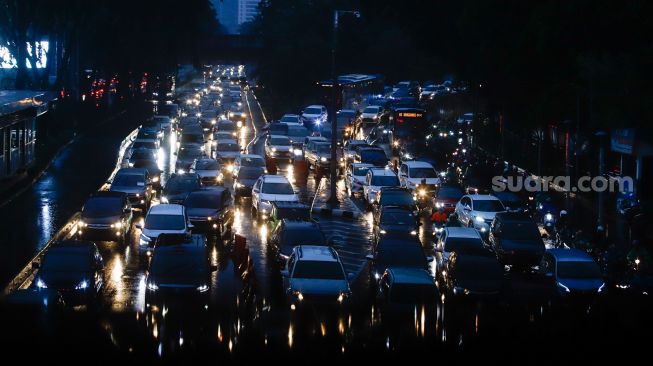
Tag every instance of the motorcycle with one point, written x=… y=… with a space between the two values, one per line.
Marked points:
x=423 y=196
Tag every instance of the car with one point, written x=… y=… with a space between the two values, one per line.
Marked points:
x=478 y=180
x=457 y=239
x=345 y=119
x=465 y=119
x=245 y=179
x=153 y=172
x=211 y=211
x=149 y=145
x=396 y=251
x=105 y=216
x=289 y=233
x=226 y=151
x=371 y=155
x=153 y=126
x=393 y=221
x=162 y=219
x=314 y=275
x=278 y=147
x=516 y=239
x=224 y=125
x=396 y=197
x=318 y=154
x=291 y=119
x=288 y=210
x=179 y=186
x=209 y=171
x=478 y=211
x=349 y=149
x=237 y=115
x=511 y=201
x=148 y=135
x=75 y=269
x=297 y=135
x=248 y=161
x=278 y=128
x=428 y=92
x=180 y=271
x=186 y=156
x=221 y=135
x=355 y=177
x=413 y=173
x=135 y=182
x=164 y=122
x=401 y=289
x=139 y=154
x=376 y=179
x=371 y=115
x=314 y=115
x=446 y=197
x=573 y=272
x=472 y=276
x=270 y=188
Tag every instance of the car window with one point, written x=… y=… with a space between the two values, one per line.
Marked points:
x=320 y=270
x=165 y=222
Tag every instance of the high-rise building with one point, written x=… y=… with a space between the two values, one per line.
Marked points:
x=228 y=14
x=247 y=10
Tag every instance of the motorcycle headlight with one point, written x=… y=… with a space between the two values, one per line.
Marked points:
x=297 y=152
x=422 y=192
x=342 y=297
x=82 y=285
x=299 y=296
x=274 y=149
x=155 y=179
x=479 y=219
x=41 y=284
x=323 y=159
x=548 y=217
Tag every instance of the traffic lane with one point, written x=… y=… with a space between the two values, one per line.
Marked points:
x=31 y=219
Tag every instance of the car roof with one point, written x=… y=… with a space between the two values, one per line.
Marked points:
x=398 y=240
x=417 y=164
x=108 y=194
x=132 y=171
x=213 y=191
x=316 y=253
x=166 y=209
x=279 y=136
x=227 y=141
x=514 y=216
x=316 y=106
x=570 y=255
x=250 y=156
x=82 y=246
x=395 y=209
x=482 y=197
x=362 y=165
x=407 y=275
x=383 y=172
x=274 y=178
x=289 y=204
x=300 y=224
x=462 y=232
x=289 y=115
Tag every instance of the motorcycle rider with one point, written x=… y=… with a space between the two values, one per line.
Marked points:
x=562 y=229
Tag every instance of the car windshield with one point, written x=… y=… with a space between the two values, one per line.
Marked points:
x=375 y=157
x=323 y=148
x=401 y=256
x=294 y=214
x=578 y=270
x=398 y=218
x=430 y=88
x=297 y=131
x=371 y=110
x=450 y=193
x=290 y=119
x=311 y=235
x=478 y=270
x=313 y=111
x=521 y=231
x=413 y=294
x=184 y=266
x=488 y=205
x=176 y=185
x=401 y=198
x=278 y=141
x=385 y=180
x=207 y=165
x=191 y=137
x=204 y=201
x=102 y=206
x=142 y=155
x=251 y=173
x=361 y=171
x=463 y=245
x=277 y=188
x=144 y=145
x=226 y=126
x=228 y=146
x=252 y=161
x=187 y=152
x=62 y=260
x=165 y=222
x=318 y=270
x=423 y=173
x=129 y=180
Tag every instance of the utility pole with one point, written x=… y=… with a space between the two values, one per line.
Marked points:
x=600 y=221
x=333 y=198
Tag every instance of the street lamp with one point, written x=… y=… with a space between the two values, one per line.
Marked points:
x=333 y=199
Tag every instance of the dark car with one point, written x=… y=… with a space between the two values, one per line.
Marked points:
x=186 y=155
x=245 y=179
x=153 y=171
x=511 y=201
x=288 y=210
x=291 y=233
x=393 y=221
x=477 y=180
x=516 y=239
x=396 y=251
x=394 y=196
x=141 y=154
x=179 y=186
x=179 y=272
x=400 y=289
x=74 y=268
x=210 y=210
x=136 y=183
x=446 y=197
x=105 y=216
x=470 y=275
x=372 y=155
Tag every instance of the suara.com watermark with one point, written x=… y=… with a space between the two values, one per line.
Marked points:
x=564 y=183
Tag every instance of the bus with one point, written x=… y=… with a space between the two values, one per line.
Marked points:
x=407 y=128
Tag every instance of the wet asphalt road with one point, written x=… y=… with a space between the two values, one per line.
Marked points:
x=247 y=318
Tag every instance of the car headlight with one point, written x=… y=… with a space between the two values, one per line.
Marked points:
x=460 y=291
x=164 y=199
x=181 y=171
x=323 y=159
x=117 y=225
x=155 y=179
x=152 y=286
x=422 y=192
x=131 y=165
x=548 y=217
x=41 y=284
x=342 y=297
x=395 y=143
x=82 y=285
x=297 y=152
x=81 y=223
x=563 y=287
x=274 y=149
x=439 y=205
x=203 y=288
x=479 y=219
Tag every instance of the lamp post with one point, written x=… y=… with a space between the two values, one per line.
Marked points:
x=333 y=199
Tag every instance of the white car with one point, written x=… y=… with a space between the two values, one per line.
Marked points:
x=227 y=151
x=278 y=147
x=371 y=115
x=355 y=177
x=349 y=146
x=162 y=219
x=411 y=174
x=478 y=211
x=292 y=119
x=377 y=178
x=271 y=188
x=209 y=171
x=248 y=160
x=315 y=114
